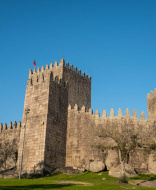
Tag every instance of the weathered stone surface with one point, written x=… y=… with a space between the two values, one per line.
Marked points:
x=95 y=166
x=116 y=172
x=138 y=160
x=111 y=159
x=151 y=105
x=9 y=135
x=152 y=164
x=48 y=94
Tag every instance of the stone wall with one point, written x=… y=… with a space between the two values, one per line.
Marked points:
x=81 y=135
x=58 y=134
x=79 y=91
x=151 y=105
x=139 y=160
x=36 y=99
x=55 y=142
x=79 y=88
x=9 y=135
x=48 y=94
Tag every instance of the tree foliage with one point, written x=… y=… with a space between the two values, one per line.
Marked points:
x=125 y=139
x=8 y=150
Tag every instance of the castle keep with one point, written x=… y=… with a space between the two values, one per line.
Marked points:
x=60 y=125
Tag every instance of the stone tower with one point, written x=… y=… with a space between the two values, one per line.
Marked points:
x=151 y=105
x=48 y=94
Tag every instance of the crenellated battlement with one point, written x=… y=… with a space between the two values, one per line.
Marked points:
x=56 y=69
x=76 y=109
x=15 y=126
x=79 y=90
x=46 y=69
x=60 y=73
x=41 y=78
x=152 y=94
x=78 y=72
x=43 y=74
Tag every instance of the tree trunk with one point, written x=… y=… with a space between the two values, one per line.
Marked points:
x=122 y=164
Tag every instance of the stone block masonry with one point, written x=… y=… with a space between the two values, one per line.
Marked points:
x=47 y=96
x=60 y=127
x=9 y=134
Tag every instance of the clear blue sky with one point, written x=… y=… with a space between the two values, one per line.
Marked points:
x=113 y=40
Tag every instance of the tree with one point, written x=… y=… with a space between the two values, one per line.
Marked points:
x=8 y=149
x=125 y=139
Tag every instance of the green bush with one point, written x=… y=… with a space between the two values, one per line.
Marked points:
x=123 y=179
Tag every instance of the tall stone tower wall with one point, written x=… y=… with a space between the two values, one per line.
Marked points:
x=151 y=105
x=55 y=142
x=79 y=87
x=36 y=99
x=48 y=94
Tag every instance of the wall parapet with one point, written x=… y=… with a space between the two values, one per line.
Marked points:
x=41 y=79
x=78 y=72
x=151 y=94
x=4 y=127
x=47 y=68
x=83 y=109
x=42 y=75
x=44 y=71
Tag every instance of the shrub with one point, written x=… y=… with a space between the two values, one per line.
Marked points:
x=123 y=179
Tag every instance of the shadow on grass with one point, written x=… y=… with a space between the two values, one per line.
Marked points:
x=41 y=186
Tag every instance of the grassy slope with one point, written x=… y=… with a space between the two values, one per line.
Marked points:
x=51 y=183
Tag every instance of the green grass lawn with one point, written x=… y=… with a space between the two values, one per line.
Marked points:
x=62 y=181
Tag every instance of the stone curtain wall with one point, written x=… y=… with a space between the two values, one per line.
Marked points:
x=81 y=134
x=8 y=135
x=139 y=160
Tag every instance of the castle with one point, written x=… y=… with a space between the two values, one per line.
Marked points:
x=60 y=124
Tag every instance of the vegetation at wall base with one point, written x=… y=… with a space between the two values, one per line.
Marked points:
x=145 y=177
x=87 y=180
x=123 y=179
